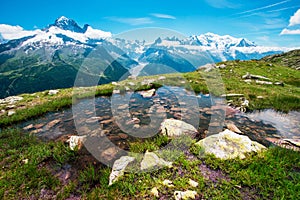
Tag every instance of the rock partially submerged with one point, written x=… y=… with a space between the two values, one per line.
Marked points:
x=119 y=168
x=232 y=127
x=151 y=160
x=175 y=128
x=148 y=93
x=293 y=144
x=229 y=145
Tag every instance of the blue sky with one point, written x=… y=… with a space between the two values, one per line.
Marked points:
x=257 y=20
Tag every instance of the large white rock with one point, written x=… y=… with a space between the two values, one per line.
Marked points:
x=229 y=145
x=173 y=127
x=119 y=168
x=151 y=160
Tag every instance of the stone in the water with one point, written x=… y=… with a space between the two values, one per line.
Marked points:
x=119 y=168
x=29 y=127
x=148 y=93
x=134 y=120
x=123 y=135
x=108 y=121
x=151 y=160
x=76 y=142
x=232 y=127
x=36 y=131
x=109 y=153
x=52 y=123
x=189 y=194
x=229 y=145
x=174 y=128
x=295 y=142
x=93 y=120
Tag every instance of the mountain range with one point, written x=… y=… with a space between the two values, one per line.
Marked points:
x=53 y=57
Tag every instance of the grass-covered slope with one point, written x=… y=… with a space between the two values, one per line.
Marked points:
x=289 y=59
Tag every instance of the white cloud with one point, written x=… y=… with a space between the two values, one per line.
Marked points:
x=290 y=32
x=163 y=16
x=295 y=19
x=9 y=32
x=132 y=21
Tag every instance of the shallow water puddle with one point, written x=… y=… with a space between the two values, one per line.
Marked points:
x=124 y=117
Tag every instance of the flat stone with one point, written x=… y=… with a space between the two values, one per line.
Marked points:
x=108 y=121
x=147 y=93
x=119 y=167
x=232 y=127
x=30 y=126
x=93 y=120
x=173 y=127
x=123 y=135
x=263 y=82
x=109 y=153
x=113 y=137
x=134 y=120
x=53 y=92
x=232 y=95
x=52 y=123
x=189 y=194
x=36 y=131
x=151 y=160
x=229 y=145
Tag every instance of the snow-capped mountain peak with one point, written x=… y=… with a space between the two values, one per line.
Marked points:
x=65 y=31
x=223 y=41
x=67 y=24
